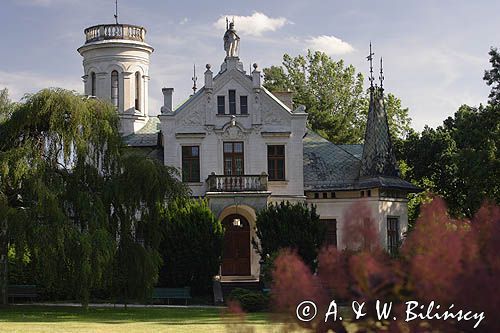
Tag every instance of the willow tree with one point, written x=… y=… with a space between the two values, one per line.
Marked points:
x=65 y=191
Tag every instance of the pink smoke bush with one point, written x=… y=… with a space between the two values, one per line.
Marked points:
x=443 y=259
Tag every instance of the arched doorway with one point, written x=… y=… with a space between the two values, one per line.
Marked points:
x=236 y=255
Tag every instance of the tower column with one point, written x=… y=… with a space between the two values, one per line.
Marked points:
x=103 y=86
x=128 y=94
x=86 y=85
x=145 y=92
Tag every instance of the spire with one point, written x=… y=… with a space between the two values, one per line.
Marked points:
x=194 y=78
x=370 y=59
x=378 y=154
x=116 y=11
x=381 y=77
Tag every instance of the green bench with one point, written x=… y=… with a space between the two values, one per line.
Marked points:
x=171 y=293
x=22 y=291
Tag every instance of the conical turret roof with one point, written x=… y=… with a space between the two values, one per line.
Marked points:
x=378 y=157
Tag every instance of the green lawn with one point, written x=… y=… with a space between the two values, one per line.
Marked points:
x=41 y=319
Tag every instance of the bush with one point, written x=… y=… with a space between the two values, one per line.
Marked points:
x=250 y=301
x=294 y=226
x=192 y=246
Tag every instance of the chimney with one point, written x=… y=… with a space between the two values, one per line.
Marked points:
x=167 y=100
x=286 y=97
x=209 y=80
x=256 y=77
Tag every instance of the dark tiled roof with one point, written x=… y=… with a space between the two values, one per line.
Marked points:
x=328 y=166
x=355 y=150
x=147 y=136
x=331 y=167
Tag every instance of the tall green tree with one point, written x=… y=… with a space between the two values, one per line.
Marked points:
x=459 y=159
x=492 y=76
x=333 y=94
x=192 y=246
x=70 y=198
x=294 y=226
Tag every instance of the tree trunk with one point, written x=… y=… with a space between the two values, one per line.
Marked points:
x=4 y=260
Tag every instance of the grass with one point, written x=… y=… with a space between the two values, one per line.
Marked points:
x=42 y=319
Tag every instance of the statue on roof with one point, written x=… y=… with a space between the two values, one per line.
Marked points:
x=231 y=40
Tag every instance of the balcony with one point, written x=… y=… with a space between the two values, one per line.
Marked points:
x=243 y=183
x=115 y=31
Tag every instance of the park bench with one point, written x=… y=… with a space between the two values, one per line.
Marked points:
x=22 y=292
x=172 y=293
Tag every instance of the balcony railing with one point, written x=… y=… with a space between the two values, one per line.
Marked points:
x=218 y=183
x=115 y=31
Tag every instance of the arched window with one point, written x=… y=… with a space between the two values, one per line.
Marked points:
x=114 y=88
x=92 y=84
x=137 y=91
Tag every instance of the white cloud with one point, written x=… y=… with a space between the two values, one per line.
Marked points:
x=331 y=45
x=253 y=25
x=20 y=83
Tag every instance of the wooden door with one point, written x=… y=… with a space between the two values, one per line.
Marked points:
x=236 y=255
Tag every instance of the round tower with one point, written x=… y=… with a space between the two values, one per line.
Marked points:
x=116 y=68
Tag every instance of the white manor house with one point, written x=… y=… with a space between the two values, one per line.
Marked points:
x=242 y=147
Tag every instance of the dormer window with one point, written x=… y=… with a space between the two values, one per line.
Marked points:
x=243 y=104
x=221 y=105
x=238 y=105
x=232 y=101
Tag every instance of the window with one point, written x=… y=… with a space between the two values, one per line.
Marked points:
x=233 y=158
x=369 y=193
x=232 y=101
x=316 y=195
x=138 y=91
x=114 y=88
x=243 y=104
x=92 y=84
x=331 y=232
x=392 y=235
x=276 y=162
x=221 y=105
x=191 y=164
x=325 y=195
x=333 y=195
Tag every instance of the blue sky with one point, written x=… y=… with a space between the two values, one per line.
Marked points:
x=435 y=52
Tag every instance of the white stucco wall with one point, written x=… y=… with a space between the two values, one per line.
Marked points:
x=380 y=209
x=126 y=57
x=268 y=122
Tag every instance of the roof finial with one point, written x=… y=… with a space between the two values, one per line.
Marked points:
x=381 y=77
x=370 y=59
x=116 y=11
x=194 y=78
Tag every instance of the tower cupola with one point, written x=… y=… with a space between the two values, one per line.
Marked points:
x=116 y=68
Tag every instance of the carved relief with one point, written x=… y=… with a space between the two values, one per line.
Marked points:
x=233 y=133
x=272 y=118
x=191 y=117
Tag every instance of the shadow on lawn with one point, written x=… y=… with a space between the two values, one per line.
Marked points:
x=165 y=316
